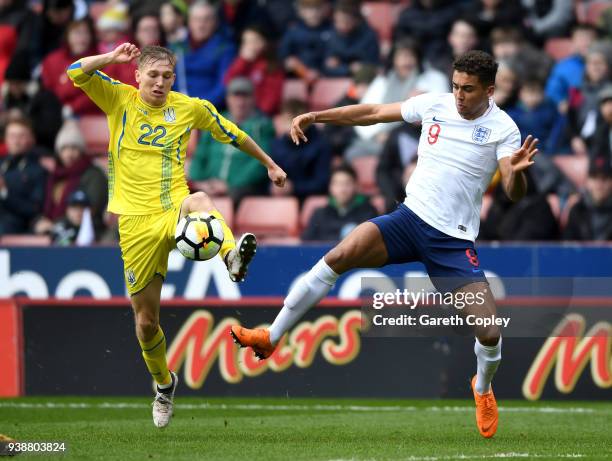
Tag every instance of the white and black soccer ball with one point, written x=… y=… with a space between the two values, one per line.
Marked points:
x=199 y=236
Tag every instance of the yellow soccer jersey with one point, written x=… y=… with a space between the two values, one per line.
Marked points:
x=147 y=146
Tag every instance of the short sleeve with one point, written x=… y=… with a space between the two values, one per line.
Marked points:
x=104 y=91
x=509 y=144
x=207 y=118
x=414 y=108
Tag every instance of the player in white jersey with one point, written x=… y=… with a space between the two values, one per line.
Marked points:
x=465 y=137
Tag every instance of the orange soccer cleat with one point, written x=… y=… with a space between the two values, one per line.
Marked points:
x=486 y=411
x=257 y=339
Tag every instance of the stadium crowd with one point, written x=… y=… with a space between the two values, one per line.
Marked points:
x=262 y=62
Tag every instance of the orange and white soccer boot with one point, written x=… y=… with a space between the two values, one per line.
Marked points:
x=257 y=339
x=486 y=411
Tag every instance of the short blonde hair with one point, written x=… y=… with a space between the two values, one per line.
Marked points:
x=151 y=54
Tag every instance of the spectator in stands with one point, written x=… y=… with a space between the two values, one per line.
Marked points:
x=52 y=23
x=75 y=226
x=340 y=137
x=74 y=171
x=568 y=72
x=462 y=38
x=223 y=168
x=487 y=14
x=237 y=15
x=257 y=61
x=537 y=115
x=308 y=165
x=173 y=17
x=405 y=77
x=112 y=29
x=346 y=208
x=352 y=42
x=24 y=98
x=602 y=139
x=303 y=46
x=148 y=31
x=22 y=179
x=208 y=54
x=584 y=101
x=17 y=27
x=79 y=42
x=591 y=217
x=427 y=22
x=547 y=18
x=397 y=162
x=508 y=44
x=529 y=219
x=506 y=86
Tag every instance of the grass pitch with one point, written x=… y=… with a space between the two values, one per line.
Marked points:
x=308 y=429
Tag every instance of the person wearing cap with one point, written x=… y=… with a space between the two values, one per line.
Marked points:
x=591 y=217
x=73 y=170
x=352 y=42
x=23 y=97
x=22 y=179
x=75 y=225
x=601 y=145
x=220 y=167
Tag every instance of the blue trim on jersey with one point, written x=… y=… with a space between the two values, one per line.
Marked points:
x=229 y=135
x=74 y=65
x=122 y=131
x=178 y=148
x=105 y=77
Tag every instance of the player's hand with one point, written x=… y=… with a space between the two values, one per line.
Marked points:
x=277 y=175
x=523 y=158
x=125 y=53
x=298 y=125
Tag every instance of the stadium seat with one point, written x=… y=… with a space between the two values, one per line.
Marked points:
x=575 y=168
x=487 y=201
x=381 y=17
x=366 y=173
x=225 y=205
x=95 y=131
x=558 y=48
x=555 y=205
x=295 y=89
x=25 y=240
x=327 y=92
x=268 y=217
x=590 y=12
x=309 y=206
x=378 y=202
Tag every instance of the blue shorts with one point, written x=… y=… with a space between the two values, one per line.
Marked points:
x=450 y=262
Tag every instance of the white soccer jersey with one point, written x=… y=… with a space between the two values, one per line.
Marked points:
x=457 y=159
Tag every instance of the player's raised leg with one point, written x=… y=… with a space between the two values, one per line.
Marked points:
x=153 y=344
x=235 y=255
x=487 y=348
x=364 y=247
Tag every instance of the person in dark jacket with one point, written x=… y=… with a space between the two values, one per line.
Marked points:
x=346 y=208
x=591 y=217
x=307 y=165
x=22 y=179
x=353 y=42
x=603 y=130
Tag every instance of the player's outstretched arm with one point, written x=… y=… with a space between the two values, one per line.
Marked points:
x=512 y=169
x=275 y=173
x=124 y=53
x=357 y=114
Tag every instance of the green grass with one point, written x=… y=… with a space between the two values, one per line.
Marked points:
x=305 y=429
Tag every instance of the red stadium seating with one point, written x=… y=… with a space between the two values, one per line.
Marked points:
x=366 y=173
x=558 y=48
x=25 y=240
x=589 y=12
x=575 y=168
x=225 y=206
x=268 y=217
x=309 y=207
x=327 y=92
x=95 y=131
x=295 y=89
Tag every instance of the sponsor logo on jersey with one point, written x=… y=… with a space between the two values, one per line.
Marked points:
x=481 y=134
x=169 y=114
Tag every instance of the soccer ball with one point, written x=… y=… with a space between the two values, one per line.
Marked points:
x=199 y=236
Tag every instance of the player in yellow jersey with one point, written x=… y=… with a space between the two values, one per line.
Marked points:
x=149 y=132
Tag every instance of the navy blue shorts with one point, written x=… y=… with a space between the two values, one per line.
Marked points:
x=450 y=262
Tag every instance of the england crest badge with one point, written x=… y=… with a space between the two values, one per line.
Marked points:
x=481 y=134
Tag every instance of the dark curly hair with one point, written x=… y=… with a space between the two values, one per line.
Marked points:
x=477 y=63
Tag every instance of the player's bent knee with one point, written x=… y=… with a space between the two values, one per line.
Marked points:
x=489 y=337
x=339 y=258
x=198 y=201
x=146 y=325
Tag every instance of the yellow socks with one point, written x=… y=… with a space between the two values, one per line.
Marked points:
x=229 y=243
x=154 y=353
